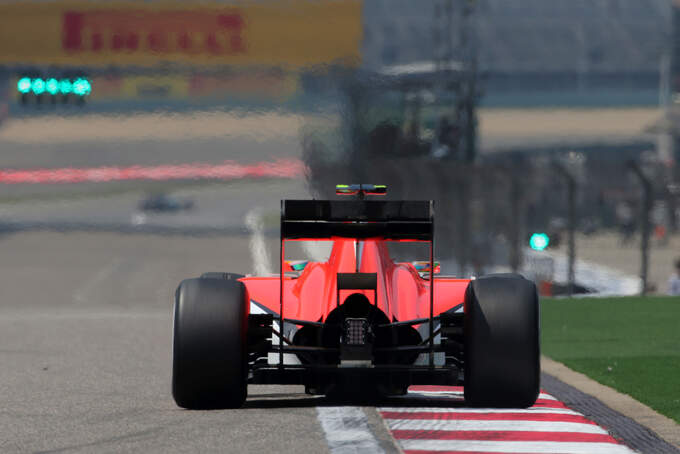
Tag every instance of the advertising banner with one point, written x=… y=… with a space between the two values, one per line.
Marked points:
x=286 y=33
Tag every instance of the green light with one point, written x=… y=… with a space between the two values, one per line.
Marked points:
x=82 y=87
x=539 y=241
x=65 y=86
x=38 y=86
x=52 y=86
x=24 y=85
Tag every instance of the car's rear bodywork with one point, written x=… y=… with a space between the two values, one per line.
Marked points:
x=359 y=317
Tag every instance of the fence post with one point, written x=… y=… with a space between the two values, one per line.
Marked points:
x=571 y=225
x=646 y=208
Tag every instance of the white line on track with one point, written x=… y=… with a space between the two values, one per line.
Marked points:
x=516 y=446
x=84 y=293
x=504 y=425
x=346 y=430
x=417 y=394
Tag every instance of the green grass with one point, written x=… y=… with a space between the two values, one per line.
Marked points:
x=630 y=344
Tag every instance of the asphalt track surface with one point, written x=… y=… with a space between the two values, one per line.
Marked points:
x=219 y=206
x=85 y=336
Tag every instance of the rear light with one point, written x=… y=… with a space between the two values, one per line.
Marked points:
x=356 y=331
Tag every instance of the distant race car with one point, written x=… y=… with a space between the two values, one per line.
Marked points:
x=358 y=323
x=165 y=203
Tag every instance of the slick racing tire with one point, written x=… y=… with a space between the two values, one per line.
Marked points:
x=210 y=368
x=502 y=354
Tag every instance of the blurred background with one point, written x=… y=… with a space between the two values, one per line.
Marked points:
x=144 y=142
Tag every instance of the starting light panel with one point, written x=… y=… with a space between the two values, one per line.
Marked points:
x=58 y=88
x=539 y=241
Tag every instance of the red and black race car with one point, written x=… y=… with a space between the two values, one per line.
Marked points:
x=358 y=323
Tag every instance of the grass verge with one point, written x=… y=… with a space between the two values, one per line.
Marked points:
x=631 y=344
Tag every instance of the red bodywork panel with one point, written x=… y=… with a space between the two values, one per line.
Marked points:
x=401 y=293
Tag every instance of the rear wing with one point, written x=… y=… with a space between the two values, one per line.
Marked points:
x=361 y=219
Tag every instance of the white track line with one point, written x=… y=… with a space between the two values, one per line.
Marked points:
x=84 y=294
x=460 y=394
x=503 y=425
x=346 y=430
x=516 y=446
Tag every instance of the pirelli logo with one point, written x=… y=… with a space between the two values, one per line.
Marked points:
x=187 y=32
x=284 y=33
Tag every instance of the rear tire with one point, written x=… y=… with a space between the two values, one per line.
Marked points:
x=502 y=353
x=210 y=366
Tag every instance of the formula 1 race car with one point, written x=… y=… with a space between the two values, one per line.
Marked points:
x=358 y=323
